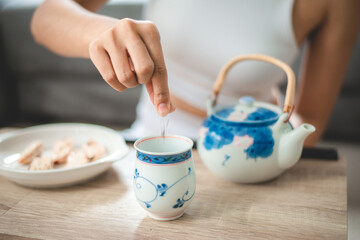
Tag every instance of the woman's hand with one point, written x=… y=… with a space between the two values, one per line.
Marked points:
x=126 y=52
x=129 y=54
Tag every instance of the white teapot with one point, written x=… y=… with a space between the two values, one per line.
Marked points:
x=251 y=141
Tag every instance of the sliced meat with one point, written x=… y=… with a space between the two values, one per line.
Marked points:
x=41 y=163
x=76 y=159
x=94 y=150
x=30 y=152
x=62 y=150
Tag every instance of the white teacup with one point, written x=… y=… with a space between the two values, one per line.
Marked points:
x=164 y=176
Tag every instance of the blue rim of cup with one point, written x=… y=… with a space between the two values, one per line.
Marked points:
x=163 y=157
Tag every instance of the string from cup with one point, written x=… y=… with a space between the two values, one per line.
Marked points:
x=164 y=125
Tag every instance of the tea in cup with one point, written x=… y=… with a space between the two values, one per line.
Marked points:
x=164 y=176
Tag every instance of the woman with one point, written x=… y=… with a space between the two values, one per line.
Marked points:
x=198 y=37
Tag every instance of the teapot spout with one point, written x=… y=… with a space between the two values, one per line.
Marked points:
x=291 y=145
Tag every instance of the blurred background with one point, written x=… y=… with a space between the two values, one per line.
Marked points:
x=39 y=87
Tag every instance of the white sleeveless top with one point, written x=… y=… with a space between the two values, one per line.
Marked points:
x=199 y=37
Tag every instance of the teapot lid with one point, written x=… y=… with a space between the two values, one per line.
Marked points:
x=249 y=111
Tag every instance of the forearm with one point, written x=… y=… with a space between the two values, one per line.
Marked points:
x=125 y=52
x=322 y=78
x=66 y=28
x=324 y=68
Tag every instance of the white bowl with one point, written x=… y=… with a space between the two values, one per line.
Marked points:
x=11 y=145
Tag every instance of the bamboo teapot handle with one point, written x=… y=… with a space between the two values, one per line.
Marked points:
x=290 y=90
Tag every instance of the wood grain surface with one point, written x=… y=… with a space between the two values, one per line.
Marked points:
x=306 y=202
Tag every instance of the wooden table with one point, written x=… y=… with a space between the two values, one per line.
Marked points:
x=306 y=202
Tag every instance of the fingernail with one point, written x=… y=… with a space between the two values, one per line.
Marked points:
x=163 y=109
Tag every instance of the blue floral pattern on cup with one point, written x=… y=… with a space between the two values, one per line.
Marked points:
x=161 y=189
x=180 y=201
x=167 y=159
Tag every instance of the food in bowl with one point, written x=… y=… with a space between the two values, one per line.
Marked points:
x=62 y=150
x=30 y=152
x=63 y=154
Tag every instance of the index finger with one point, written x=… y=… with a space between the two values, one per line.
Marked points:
x=159 y=91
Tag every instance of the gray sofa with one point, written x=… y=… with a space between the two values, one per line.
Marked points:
x=37 y=86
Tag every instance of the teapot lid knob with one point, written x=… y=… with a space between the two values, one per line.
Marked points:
x=247 y=100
